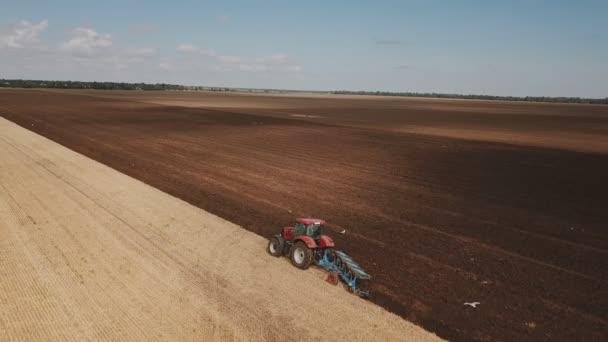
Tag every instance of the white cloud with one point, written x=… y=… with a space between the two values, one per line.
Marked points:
x=278 y=62
x=165 y=66
x=208 y=52
x=293 y=68
x=86 y=41
x=222 y=59
x=278 y=59
x=23 y=34
x=88 y=54
x=257 y=67
x=211 y=60
x=229 y=59
x=84 y=50
x=88 y=48
x=187 y=48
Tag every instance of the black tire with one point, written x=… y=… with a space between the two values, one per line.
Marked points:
x=275 y=246
x=300 y=255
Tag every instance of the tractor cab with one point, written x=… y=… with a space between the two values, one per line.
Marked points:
x=309 y=227
x=313 y=229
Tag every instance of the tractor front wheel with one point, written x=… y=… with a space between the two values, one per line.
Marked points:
x=300 y=255
x=275 y=246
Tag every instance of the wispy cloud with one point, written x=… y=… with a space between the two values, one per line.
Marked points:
x=402 y=67
x=88 y=48
x=229 y=59
x=86 y=41
x=277 y=59
x=187 y=48
x=223 y=19
x=165 y=66
x=278 y=62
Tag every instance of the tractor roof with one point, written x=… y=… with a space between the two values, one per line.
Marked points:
x=310 y=221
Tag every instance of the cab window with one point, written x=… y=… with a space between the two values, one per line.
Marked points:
x=313 y=230
x=300 y=229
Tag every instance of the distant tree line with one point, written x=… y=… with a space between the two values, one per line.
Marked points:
x=18 y=83
x=479 y=97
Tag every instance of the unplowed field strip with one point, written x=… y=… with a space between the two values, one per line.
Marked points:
x=437 y=221
x=88 y=253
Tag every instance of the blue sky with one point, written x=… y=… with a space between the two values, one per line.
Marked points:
x=538 y=48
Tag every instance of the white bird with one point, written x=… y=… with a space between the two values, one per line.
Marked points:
x=472 y=304
x=343 y=231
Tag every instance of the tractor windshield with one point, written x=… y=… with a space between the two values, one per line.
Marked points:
x=314 y=230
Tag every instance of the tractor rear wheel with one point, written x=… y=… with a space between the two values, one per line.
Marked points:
x=275 y=246
x=300 y=255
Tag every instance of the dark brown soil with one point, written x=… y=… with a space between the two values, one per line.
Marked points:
x=436 y=221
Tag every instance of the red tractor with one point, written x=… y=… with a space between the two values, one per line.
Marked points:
x=301 y=242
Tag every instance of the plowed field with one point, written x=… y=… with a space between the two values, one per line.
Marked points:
x=450 y=216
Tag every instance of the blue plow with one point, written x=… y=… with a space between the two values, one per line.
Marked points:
x=337 y=262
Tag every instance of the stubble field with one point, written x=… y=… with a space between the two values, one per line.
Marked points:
x=443 y=201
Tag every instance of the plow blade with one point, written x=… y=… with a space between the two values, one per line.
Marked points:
x=349 y=271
